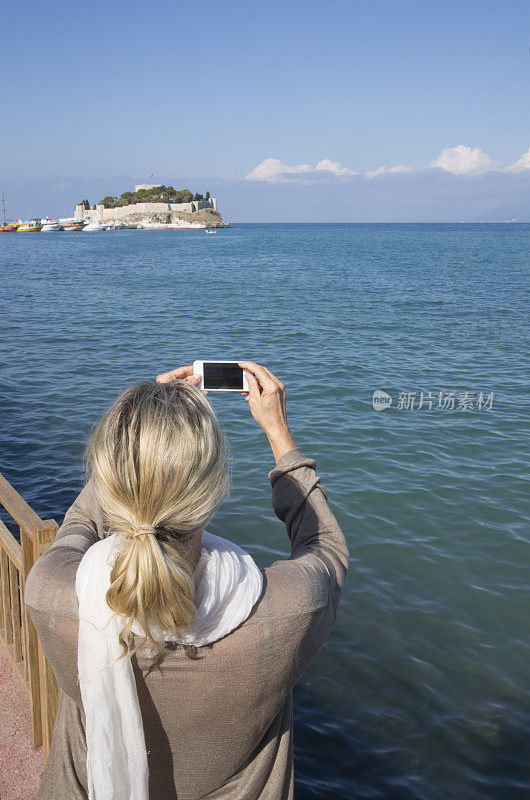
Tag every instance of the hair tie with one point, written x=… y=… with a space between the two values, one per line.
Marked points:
x=145 y=529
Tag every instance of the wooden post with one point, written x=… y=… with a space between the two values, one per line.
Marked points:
x=50 y=696
x=2 y=610
x=4 y=590
x=15 y=612
x=50 y=691
x=32 y=646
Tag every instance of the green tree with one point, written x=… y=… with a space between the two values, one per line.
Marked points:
x=207 y=195
x=157 y=194
x=183 y=196
x=126 y=199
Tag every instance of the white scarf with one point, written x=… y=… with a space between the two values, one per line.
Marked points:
x=228 y=583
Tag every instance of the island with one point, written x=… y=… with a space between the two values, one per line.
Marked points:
x=154 y=206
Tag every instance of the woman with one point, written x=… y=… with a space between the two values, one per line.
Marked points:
x=217 y=645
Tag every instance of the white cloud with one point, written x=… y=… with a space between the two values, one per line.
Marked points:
x=272 y=170
x=459 y=160
x=387 y=170
x=522 y=164
x=462 y=160
x=327 y=165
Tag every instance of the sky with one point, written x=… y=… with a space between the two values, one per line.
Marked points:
x=297 y=111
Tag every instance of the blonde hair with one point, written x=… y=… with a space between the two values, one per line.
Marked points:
x=157 y=458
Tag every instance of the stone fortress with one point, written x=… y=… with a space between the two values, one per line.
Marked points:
x=196 y=214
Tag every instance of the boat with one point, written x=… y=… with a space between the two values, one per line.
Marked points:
x=7 y=227
x=210 y=231
x=72 y=224
x=29 y=226
x=97 y=226
x=122 y=226
x=49 y=225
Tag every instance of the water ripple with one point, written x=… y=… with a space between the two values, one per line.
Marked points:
x=421 y=690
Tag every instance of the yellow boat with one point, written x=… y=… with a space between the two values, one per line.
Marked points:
x=29 y=226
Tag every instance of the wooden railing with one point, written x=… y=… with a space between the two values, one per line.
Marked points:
x=17 y=632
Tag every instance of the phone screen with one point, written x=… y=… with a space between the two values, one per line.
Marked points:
x=222 y=375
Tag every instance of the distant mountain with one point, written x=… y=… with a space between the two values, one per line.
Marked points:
x=505 y=214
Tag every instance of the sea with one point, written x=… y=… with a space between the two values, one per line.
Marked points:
x=421 y=691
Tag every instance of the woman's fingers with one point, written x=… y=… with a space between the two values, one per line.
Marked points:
x=260 y=372
x=253 y=387
x=266 y=399
x=180 y=372
x=274 y=378
x=195 y=381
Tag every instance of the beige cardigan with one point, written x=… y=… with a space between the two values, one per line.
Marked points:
x=218 y=719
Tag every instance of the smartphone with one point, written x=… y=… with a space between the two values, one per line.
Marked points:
x=221 y=376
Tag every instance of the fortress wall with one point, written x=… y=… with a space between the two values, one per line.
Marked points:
x=108 y=214
x=200 y=204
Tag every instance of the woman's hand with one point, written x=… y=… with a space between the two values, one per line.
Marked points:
x=184 y=373
x=266 y=399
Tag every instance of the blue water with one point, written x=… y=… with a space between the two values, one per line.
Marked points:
x=422 y=688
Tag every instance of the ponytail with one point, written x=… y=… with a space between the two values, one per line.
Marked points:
x=158 y=462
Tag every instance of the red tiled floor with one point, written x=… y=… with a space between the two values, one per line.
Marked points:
x=21 y=764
